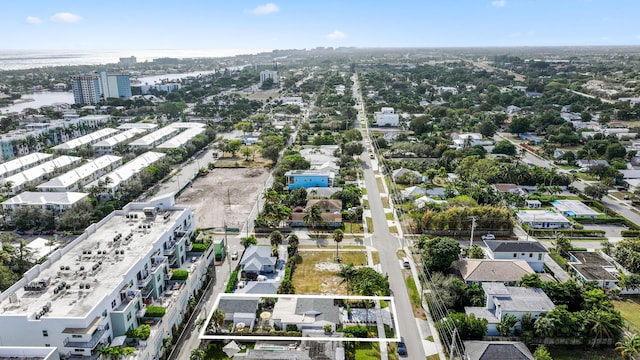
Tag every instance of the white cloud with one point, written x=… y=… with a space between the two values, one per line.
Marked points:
x=33 y=20
x=64 y=17
x=498 y=3
x=336 y=35
x=265 y=9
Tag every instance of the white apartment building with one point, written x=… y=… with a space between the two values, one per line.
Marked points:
x=107 y=145
x=386 y=117
x=88 y=139
x=76 y=178
x=89 y=293
x=40 y=173
x=127 y=172
x=22 y=163
x=181 y=139
x=154 y=139
x=269 y=74
x=56 y=201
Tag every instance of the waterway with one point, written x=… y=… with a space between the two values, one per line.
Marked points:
x=42 y=98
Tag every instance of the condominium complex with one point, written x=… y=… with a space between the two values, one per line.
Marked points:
x=269 y=74
x=89 y=293
x=94 y=87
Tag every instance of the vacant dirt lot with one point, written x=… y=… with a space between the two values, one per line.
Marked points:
x=224 y=195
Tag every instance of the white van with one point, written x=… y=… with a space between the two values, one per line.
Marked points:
x=405 y=263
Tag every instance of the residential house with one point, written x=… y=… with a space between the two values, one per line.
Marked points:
x=447 y=89
x=305 y=313
x=321 y=193
x=37 y=174
x=574 y=208
x=330 y=212
x=257 y=260
x=437 y=192
x=76 y=178
x=535 y=140
x=493 y=350
x=56 y=201
x=509 y=188
x=422 y=201
x=398 y=173
x=22 y=163
x=533 y=204
x=530 y=251
x=591 y=266
x=512 y=110
x=413 y=192
x=632 y=178
x=586 y=164
x=258 y=287
x=502 y=300
x=238 y=311
x=465 y=140
x=87 y=140
x=326 y=205
x=386 y=117
x=489 y=270
x=309 y=178
x=542 y=219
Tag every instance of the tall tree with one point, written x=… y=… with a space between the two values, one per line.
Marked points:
x=338 y=236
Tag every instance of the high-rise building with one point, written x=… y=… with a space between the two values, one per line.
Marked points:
x=91 y=88
x=128 y=60
x=87 y=294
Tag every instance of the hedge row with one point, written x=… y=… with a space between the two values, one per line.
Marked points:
x=558 y=259
x=630 y=233
x=231 y=284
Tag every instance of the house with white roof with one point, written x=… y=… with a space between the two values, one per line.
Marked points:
x=127 y=172
x=76 y=178
x=386 y=117
x=56 y=201
x=89 y=139
x=542 y=219
x=22 y=163
x=180 y=140
x=586 y=164
x=502 y=300
x=106 y=146
x=40 y=173
x=468 y=140
x=154 y=139
x=574 y=208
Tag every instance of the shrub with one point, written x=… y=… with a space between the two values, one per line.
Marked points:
x=356 y=331
x=155 y=311
x=231 y=284
x=142 y=332
x=630 y=233
x=179 y=274
x=199 y=247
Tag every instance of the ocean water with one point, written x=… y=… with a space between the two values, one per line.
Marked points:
x=28 y=59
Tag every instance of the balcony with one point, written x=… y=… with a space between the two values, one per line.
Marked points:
x=94 y=356
x=144 y=282
x=170 y=248
x=173 y=260
x=188 y=245
x=89 y=344
x=158 y=263
x=130 y=297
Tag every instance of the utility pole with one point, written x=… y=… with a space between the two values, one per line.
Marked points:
x=473 y=227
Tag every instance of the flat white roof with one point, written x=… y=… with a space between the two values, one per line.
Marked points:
x=186 y=125
x=574 y=208
x=150 y=139
x=119 y=138
x=128 y=170
x=540 y=216
x=87 y=139
x=41 y=170
x=39 y=198
x=138 y=125
x=181 y=139
x=81 y=172
x=22 y=163
x=106 y=278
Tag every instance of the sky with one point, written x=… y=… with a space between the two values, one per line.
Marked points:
x=288 y=24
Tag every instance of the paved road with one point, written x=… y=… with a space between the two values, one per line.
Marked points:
x=387 y=245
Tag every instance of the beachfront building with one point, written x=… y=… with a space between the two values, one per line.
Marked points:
x=94 y=87
x=89 y=139
x=75 y=179
x=86 y=295
x=40 y=173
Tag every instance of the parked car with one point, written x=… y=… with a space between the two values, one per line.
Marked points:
x=488 y=237
x=234 y=255
x=402 y=347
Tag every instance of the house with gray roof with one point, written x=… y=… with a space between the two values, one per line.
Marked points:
x=239 y=311
x=492 y=350
x=398 y=173
x=257 y=260
x=530 y=251
x=321 y=193
x=502 y=300
x=591 y=266
x=305 y=313
x=258 y=287
x=413 y=192
x=488 y=270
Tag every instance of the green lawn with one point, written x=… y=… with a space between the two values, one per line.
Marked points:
x=369 y=225
x=414 y=296
x=629 y=307
x=367 y=351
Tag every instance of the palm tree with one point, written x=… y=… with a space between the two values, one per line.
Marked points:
x=312 y=216
x=276 y=238
x=338 y=236
x=602 y=325
x=629 y=347
x=347 y=273
x=217 y=319
x=197 y=354
x=544 y=327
